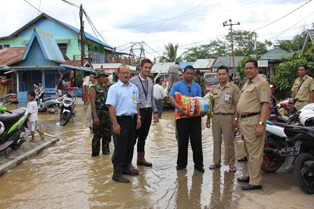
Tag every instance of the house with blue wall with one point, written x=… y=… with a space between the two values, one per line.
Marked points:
x=42 y=61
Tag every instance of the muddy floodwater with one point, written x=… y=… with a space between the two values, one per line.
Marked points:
x=66 y=176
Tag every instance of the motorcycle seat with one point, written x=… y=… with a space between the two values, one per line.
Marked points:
x=49 y=98
x=280 y=124
x=12 y=118
x=273 y=117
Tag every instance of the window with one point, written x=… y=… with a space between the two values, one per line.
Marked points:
x=6 y=45
x=63 y=48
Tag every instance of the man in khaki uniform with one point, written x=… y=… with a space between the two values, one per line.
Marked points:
x=252 y=108
x=225 y=100
x=303 y=88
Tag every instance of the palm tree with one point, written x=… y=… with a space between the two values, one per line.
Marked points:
x=171 y=54
x=194 y=53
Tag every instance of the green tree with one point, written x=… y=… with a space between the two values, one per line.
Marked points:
x=241 y=65
x=295 y=44
x=195 y=53
x=287 y=72
x=171 y=54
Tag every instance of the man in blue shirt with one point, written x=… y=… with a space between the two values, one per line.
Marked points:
x=123 y=104
x=188 y=127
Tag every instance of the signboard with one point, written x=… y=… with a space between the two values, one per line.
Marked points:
x=263 y=63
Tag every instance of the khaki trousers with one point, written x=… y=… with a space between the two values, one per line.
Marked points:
x=254 y=147
x=222 y=125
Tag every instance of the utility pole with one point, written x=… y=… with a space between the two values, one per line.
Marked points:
x=82 y=35
x=230 y=24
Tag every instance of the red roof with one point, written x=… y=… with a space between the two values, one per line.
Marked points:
x=74 y=62
x=11 y=55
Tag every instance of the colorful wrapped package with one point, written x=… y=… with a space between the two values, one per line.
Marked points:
x=194 y=105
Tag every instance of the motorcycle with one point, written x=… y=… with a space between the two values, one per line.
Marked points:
x=277 y=140
x=12 y=127
x=301 y=153
x=67 y=109
x=49 y=104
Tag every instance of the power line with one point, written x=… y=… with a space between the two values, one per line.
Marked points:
x=33 y=6
x=283 y=16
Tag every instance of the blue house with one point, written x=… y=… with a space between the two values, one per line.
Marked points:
x=42 y=61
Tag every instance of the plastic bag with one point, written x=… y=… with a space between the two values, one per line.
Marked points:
x=194 y=105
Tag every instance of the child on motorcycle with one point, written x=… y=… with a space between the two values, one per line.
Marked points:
x=32 y=121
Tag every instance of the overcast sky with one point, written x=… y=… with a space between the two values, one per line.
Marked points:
x=159 y=22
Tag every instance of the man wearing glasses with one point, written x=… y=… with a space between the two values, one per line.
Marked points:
x=253 y=108
x=188 y=127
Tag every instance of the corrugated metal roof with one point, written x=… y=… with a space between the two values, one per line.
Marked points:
x=161 y=67
x=203 y=63
x=274 y=54
x=184 y=64
x=10 y=55
x=227 y=61
x=48 y=45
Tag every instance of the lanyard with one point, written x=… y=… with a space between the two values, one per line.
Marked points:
x=143 y=86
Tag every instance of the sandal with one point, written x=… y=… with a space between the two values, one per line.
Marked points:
x=232 y=169
x=242 y=159
x=214 y=166
x=32 y=140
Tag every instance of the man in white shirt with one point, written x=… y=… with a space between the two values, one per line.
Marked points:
x=159 y=95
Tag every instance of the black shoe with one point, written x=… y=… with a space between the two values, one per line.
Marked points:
x=200 y=170
x=251 y=187
x=95 y=155
x=180 y=167
x=245 y=179
x=128 y=171
x=106 y=151
x=120 y=178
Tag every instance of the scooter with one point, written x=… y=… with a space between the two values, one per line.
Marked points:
x=12 y=125
x=67 y=109
x=49 y=104
x=276 y=139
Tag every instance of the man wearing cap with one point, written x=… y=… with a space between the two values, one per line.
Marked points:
x=303 y=88
x=253 y=108
x=101 y=120
x=123 y=103
x=173 y=74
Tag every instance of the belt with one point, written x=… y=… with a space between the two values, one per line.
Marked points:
x=146 y=108
x=250 y=114
x=220 y=113
x=126 y=117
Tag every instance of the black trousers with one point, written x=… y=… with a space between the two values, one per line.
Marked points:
x=142 y=132
x=189 y=128
x=124 y=143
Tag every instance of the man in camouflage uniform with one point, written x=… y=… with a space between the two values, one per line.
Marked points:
x=200 y=81
x=101 y=126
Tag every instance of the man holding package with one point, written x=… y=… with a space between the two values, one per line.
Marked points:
x=188 y=127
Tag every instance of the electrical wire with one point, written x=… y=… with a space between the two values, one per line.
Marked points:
x=283 y=16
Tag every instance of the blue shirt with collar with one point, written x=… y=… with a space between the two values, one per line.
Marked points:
x=183 y=89
x=121 y=97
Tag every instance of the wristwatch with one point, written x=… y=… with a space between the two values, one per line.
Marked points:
x=236 y=119
x=260 y=123
x=139 y=116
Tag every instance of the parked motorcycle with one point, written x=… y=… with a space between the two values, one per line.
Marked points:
x=12 y=125
x=67 y=109
x=276 y=138
x=49 y=104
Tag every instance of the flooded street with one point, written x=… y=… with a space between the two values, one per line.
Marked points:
x=66 y=176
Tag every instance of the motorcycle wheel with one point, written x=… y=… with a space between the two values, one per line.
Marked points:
x=64 y=118
x=303 y=178
x=271 y=163
x=15 y=146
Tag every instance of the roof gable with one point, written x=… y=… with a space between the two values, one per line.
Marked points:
x=48 y=46
x=45 y=27
x=309 y=38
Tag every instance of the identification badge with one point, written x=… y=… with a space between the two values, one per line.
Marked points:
x=301 y=88
x=146 y=103
x=227 y=97
x=134 y=100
